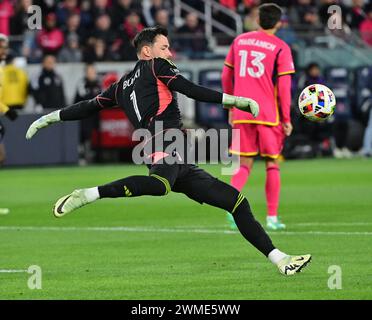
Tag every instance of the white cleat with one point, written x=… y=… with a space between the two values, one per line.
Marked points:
x=293 y=264
x=69 y=203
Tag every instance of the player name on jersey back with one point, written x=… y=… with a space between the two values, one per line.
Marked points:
x=257 y=43
x=130 y=81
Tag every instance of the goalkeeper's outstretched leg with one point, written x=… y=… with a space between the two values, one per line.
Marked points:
x=199 y=186
x=204 y=188
x=133 y=186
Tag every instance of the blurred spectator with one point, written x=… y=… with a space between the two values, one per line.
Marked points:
x=15 y=85
x=297 y=12
x=311 y=20
x=30 y=50
x=156 y=5
x=18 y=22
x=87 y=89
x=99 y=8
x=356 y=14
x=48 y=89
x=121 y=9
x=365 y=27
x=103 y=30
x=190 y=38
x=162 y=19
x=90 y=86
x=312 y=75
x=50 y=38
x=72 y=27
x=71 y=51
x=124 y=49
x=6 y=12
x=250 y=20
x=132 y=25
x=65 y=9
x=97 y=51
x=286 y=33
x=86 y=19
x=18 y=25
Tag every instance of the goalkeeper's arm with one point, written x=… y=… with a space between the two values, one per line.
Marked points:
x=203 y=94
x=77 y=111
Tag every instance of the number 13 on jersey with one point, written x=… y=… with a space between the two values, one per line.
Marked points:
x=255 y=58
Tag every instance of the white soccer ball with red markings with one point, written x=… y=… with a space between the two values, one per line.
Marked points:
x=317 y=102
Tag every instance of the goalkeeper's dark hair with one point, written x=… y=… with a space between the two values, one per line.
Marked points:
x=147 y=37
x=270 y=14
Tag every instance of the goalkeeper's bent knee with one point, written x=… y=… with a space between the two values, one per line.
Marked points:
x=135 y=186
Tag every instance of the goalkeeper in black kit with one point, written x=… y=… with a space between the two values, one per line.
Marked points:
x=146 y=95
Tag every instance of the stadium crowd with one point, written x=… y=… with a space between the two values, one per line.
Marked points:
x=92 y=31
x=102 y=30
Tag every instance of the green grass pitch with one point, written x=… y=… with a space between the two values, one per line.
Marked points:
x=173 y=248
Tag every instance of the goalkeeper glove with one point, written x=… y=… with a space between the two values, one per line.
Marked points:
x=42 y=122
x=241 y=103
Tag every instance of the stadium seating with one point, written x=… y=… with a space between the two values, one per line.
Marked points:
x=207 y=114
x=363 y=85
x=339 y=79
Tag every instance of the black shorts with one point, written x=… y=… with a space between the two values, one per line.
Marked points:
x=182 y=177
x=189 y=179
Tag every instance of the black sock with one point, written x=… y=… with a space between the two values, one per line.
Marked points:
x=251 y=229
x=224 y=196
x=135 y=186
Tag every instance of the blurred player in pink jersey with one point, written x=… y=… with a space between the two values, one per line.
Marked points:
x=259 y=66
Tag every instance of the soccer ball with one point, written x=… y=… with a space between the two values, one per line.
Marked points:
x=317 y=102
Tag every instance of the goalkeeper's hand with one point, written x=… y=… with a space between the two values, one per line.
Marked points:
x=42 y=122
x=242 y=103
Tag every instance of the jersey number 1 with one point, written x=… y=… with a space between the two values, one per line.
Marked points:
x=256 y=61
x=133 y=98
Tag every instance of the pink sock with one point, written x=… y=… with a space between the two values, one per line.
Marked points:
x=272 y=189
x=239 y=179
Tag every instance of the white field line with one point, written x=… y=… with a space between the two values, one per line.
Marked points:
x=174 y=230
x=330 y=224
x=11 y=271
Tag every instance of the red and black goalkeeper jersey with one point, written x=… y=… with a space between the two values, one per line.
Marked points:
x=144 y=94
